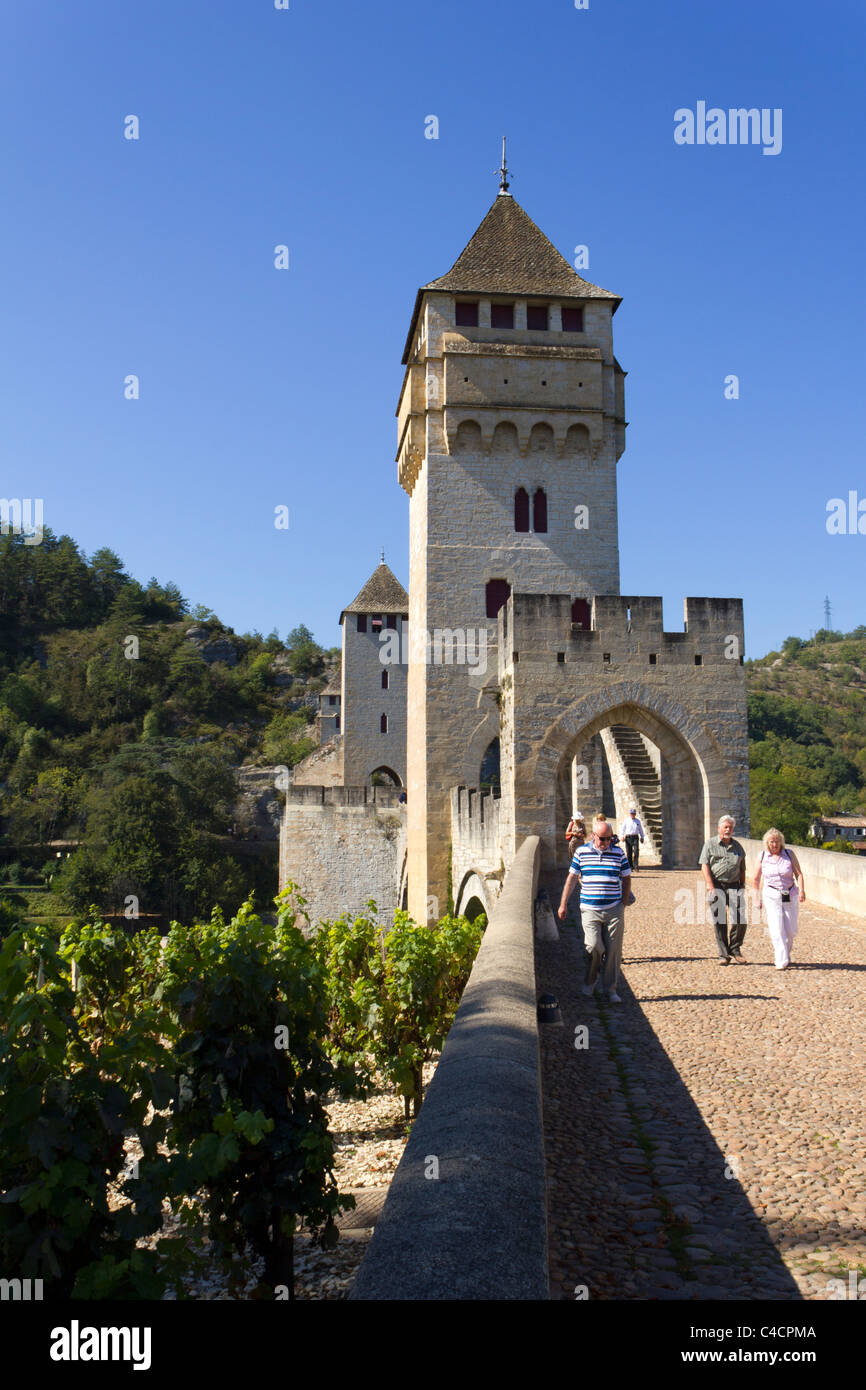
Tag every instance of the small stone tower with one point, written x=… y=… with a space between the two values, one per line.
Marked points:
x=510 y=424
x=373 y=695
x=328 y=718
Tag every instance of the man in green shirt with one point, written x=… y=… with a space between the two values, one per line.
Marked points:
x=723 y=865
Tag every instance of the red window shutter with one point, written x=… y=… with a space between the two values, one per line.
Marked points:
x=581 y=613
x=498 y=592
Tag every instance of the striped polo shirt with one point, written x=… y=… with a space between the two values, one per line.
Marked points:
x=601 y=873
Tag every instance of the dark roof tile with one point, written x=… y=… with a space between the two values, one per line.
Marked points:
x=382 y=593
x=509 y=254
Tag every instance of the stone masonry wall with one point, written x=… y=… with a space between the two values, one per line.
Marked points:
x=832 y=879
x=363 y=702
x=476 y=845
x=342 y=846
x=321 y=768
x=561 y=687
x=480 y=417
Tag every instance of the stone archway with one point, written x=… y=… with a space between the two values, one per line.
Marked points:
x=472 y=889
x=696 y=780
x=384 y=776
x=477 y=744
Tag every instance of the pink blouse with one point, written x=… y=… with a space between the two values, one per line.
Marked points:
x=777 y=871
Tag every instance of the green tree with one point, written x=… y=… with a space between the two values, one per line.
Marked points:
x=150 y=727
x=108 y=577
x=287 y=739
x=306 y=657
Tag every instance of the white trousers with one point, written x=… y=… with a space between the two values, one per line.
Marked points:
x=781 y=922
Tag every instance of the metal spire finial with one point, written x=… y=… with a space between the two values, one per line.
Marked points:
x=382 y=561
x=503 y=171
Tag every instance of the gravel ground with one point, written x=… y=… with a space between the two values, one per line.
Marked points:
x=709 y=1140
x=369 y=1138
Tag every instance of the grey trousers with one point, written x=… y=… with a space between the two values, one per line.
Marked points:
x=725 y=901
x=602 y=937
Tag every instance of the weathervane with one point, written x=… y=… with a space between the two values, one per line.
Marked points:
x=503 y=171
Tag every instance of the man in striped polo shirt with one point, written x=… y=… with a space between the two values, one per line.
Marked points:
x=604 y=873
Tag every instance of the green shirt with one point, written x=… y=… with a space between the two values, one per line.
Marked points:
x=723 y=861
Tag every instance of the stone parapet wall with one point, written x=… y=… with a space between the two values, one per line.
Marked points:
x=478 y=1229
x=832 y=879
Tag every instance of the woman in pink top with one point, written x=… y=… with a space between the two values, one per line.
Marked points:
x=778 y=867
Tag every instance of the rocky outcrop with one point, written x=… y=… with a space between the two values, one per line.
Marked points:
x=259 y=808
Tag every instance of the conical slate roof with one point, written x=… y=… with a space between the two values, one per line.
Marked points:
x=382 y=593
x=509 y=254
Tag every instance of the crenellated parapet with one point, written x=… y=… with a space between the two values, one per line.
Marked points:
x=344 y=796
x=623 y=629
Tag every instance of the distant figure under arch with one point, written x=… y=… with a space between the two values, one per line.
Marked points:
x=385 y=777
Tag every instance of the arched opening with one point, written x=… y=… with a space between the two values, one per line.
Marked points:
x=488 y=776
x=539 y=510
x=505 y=440
x=541 y=439
x=631 y=756
x=468 y=440
x=475 y=909
x=384 y=777
x=577 y=442
x=521 y=509
x=472 y=891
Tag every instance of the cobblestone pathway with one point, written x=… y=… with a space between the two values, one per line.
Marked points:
x=709 y=1142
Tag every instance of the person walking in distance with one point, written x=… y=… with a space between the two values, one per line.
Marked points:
x=604 y=875
x=781 y=896
x=631 y=834
x=575 y=832
x=723 y=865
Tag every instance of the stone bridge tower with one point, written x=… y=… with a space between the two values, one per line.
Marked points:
x=510 y=424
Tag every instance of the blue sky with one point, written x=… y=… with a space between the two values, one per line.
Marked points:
x=306 y=127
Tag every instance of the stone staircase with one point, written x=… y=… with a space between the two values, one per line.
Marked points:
x=644 y=780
